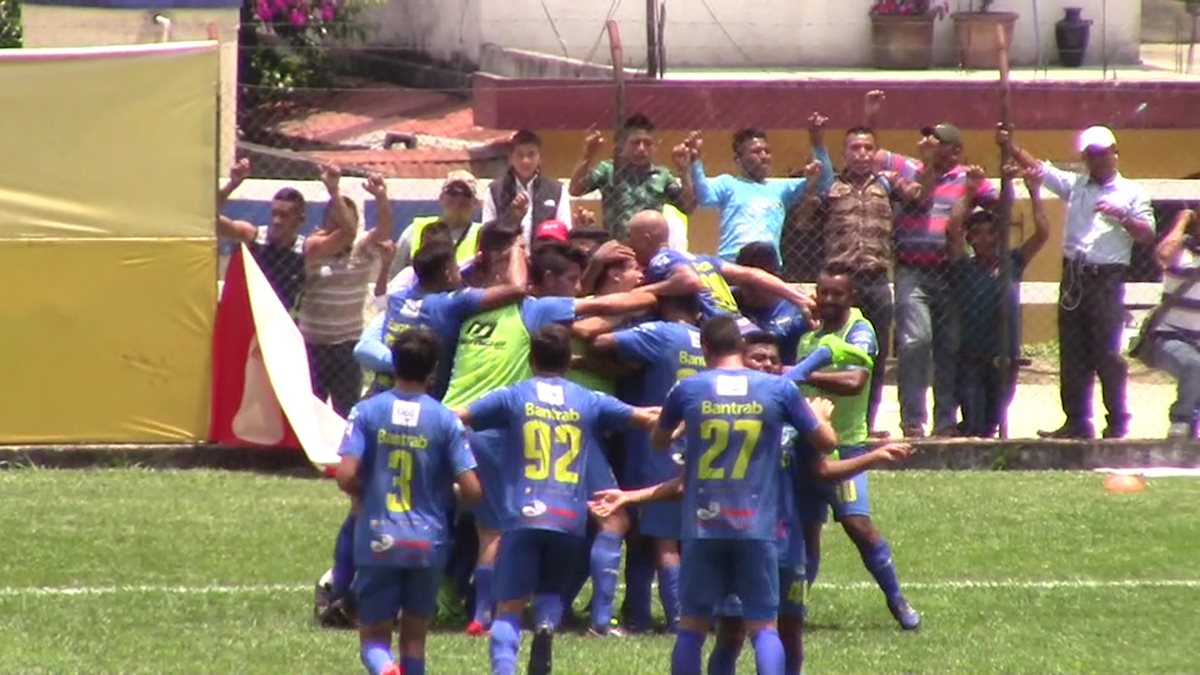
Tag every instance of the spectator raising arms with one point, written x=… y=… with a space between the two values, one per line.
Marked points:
x=635 y=183
x=1106 y=214
x=751 y=208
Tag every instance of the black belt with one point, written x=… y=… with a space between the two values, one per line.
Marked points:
x=1093 y=270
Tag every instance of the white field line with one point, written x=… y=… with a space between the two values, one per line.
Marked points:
x=953 y=585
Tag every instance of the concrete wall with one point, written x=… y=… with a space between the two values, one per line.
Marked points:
x=743 y=34
x=52 y=26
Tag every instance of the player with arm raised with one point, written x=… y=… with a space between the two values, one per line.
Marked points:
x=402 y=455
x=669 y=350
x=671 y=272
x=835 y=361
x=493 y=351
x=549 y=443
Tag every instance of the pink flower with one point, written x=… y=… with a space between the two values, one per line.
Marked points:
x=265 y=11
x=327 y=12
x=298 y=18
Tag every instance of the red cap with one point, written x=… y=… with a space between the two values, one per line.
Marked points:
x=554 y=230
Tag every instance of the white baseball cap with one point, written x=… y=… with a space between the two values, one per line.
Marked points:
x=1095 y=137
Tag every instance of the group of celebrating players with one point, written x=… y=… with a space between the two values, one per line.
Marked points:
x=575 y=401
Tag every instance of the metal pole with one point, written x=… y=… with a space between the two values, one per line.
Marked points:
x=618 y=136
x=652 y=38
x=1004 y=361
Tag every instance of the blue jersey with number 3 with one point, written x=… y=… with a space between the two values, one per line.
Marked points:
x=411 y=448
x=551 y=426
x=735 y=420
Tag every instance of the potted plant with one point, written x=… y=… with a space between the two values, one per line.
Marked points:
x=902 y=33
x=975 y=32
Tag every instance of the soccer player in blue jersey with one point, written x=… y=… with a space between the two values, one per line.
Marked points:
x=402 y=455
x=760 y=354
x=493 y=350
x=836 y=361
x=438 y=302
x=734 y=419
x=668 y=350
x=550 y=430
x=671 y=272
x=783 y=319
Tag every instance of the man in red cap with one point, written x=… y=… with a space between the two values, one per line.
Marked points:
x=552 y=230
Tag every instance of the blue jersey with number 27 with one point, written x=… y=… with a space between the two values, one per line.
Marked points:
x=735 y=420
x=551 y=426
x=411 y=449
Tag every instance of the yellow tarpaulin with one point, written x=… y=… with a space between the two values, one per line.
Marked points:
x=107 y=249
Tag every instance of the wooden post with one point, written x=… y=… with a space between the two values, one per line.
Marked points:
x=618 y=66
x=1004 y=361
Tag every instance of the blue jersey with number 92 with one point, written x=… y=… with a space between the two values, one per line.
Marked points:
x=551 y=426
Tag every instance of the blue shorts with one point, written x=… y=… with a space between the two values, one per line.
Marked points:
x=714 y=569
x=850 y=497
x=599 y=473
x=488 y=448
x=793 y=590
x=383 y=591
x=533 y=561
x=661 y=520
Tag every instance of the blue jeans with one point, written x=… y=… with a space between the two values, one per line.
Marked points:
x=1182 y=360
x=926 y=328
x=982 y=396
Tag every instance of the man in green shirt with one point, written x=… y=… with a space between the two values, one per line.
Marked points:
x=633 y=183
x=835 y=362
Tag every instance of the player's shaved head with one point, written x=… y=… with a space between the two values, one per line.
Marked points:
x=720 y=336
x=649 y=223
x=648 y=232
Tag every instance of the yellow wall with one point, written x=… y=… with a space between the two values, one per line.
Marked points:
x=107 y=246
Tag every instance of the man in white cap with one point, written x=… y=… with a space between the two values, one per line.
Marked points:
x=1106 y=214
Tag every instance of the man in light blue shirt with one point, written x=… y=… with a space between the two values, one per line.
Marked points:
x=753 y=209
x=1106 y=214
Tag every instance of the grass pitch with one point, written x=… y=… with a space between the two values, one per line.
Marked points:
x=211 y=572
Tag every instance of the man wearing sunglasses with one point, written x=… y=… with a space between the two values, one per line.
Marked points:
x=1106 y=214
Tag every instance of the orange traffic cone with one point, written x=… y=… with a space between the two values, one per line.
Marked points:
x=1124 y=483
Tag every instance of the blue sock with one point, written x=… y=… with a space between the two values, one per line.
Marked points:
x=722 y=661
x=768 y=652
x=375 y=656
x=579 y=574
x=343 y=558
x=605 y=566
x=547 y=609
x=639 y=577
x=668 y=593
x=412 y=666
x=483 y=595
x=506 y=640
x=879 y=563
x=686 y=657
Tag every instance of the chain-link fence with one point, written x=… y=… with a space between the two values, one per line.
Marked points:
x=959 y=354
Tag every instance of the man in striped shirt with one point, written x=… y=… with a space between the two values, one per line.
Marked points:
x=926 y=311
x=331 y=310
x=1177 y=336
